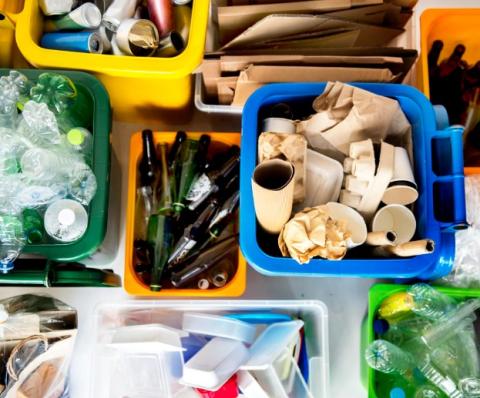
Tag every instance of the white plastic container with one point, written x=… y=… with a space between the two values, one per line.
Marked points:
x=111 y=316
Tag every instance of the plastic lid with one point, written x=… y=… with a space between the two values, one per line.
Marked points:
x=75 y=136
x=66 y=217
x=397 y=392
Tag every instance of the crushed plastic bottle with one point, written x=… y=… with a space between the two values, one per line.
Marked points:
x=12 y=240
x=58 y=92
x=38 y=125
x=430 y=343
x=80 y=140
x=9 y=95
x=44 y=165
x=82 y=184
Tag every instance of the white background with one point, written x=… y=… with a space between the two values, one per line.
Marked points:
x=346 y=299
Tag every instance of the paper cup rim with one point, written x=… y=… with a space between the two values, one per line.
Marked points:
x=406 y=189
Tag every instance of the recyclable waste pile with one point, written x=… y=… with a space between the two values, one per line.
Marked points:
x=46 y=153
x=426 y=346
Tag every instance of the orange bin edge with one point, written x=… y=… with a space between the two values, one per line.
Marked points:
x=132 y=284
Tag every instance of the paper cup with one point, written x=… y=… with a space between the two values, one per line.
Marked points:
x=402 y=189
x=355 y=222
x=396 y=218
x=137 y=27
x=279 y=125
x=272 y=186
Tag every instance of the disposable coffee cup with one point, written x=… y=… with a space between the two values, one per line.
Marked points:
x=355 y=222
x=398 y=219
x=279 y=125
x=272 y=186
x=402 y=188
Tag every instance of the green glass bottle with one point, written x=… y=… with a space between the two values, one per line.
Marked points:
x=33 y=226
x=193 y=161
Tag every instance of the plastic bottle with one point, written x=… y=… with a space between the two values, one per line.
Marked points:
x=33 y=196
x=66 y=220
x=80 y=140
x=12 y=240
x=33 y=226
x=427 y=391
x=38 y=125
x=429 y=303
x=470 y=387
x=44 y=165
x=56 y=91
x=8 y=103
x=82 y=184
x=386 y=357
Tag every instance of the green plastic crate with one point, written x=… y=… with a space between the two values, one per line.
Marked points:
x=376 y=295
x=97 y=104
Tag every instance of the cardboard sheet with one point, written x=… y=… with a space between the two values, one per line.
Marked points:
x=256 y=76
x=233 y=20
x=284 y=26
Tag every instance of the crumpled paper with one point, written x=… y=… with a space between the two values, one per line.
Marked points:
x=313 y=233
x=348 y=114
x=292 y=147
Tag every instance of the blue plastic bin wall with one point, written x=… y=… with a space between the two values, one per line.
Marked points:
x=438 y=166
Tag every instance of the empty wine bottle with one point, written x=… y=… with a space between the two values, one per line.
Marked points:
x=205 y=261
x=163 y=189
x=174 y=164
x=145 y=199
x=160 y=237
x=193 y=160
x=194 y=233
x=215 y=179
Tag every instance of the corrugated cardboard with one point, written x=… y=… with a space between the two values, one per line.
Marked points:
x=233 y=20
x=285 y=26
x=256 y=76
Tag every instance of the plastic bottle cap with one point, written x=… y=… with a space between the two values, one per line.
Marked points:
x=75 y=137
x=66 y=217
x=397 y=392
x=3 y=314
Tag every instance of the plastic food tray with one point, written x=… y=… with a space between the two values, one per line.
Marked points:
x=110 y=316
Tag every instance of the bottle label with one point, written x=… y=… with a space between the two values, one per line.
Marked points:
x=199 y=188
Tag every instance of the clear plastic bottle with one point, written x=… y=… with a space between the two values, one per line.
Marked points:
x=470 y=387
x=12 y=240
x=66 y=220
x=38 y=125
x=8 y=103
x=80 y=140
x=33 y=196
x=427 y=391
x=44 y=165
x=429 y=302
x=386 y=357
x=82 y=184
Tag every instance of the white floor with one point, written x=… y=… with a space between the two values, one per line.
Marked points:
x=346 y=299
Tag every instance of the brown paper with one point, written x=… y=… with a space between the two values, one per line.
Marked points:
x=40 y=383
x=313 y=233
x=348 y=114
x=226 y=89
x=256 y=76
x=292 y=147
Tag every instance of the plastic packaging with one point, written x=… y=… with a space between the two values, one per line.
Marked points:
x=219 y=326
x=37 y=334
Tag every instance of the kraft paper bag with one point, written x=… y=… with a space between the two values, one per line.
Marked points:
x=292 y=147
x=347 y=114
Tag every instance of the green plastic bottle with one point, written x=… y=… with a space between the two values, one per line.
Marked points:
x=33 y=226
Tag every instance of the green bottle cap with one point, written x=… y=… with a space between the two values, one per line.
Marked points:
x=75 y=136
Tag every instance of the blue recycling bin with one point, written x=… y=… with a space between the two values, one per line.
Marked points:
x=438 y=167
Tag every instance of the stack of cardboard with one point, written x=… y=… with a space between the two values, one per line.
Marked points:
x=271 y=41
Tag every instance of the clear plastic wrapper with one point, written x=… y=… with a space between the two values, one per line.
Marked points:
x=466 y=271
x=37 y=334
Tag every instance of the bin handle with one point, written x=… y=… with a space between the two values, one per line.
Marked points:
x=454 y=134
x=8 y=20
